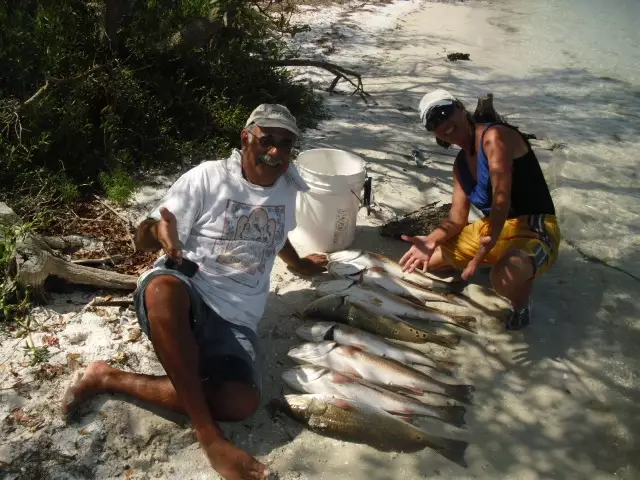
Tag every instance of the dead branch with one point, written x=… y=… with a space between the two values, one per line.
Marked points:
x=112 y=303
x=114 y=260
x=52 y=83
x=337 y=70
x=485 y=112
x=124 y=221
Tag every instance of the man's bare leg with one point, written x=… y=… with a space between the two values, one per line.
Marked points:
x=231 y=402
x=167 y=303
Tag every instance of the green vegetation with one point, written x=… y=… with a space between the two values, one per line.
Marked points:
x=94 y=93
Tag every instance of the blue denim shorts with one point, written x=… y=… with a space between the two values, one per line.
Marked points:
x=228 y=352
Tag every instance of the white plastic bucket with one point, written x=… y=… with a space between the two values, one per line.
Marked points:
x=326 y=214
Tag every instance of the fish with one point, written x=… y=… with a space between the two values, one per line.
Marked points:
x=347 y=335
x=393 y=304
x=351 y=421
x=312 y=379
x=378 y=278
x=377 y=370
x=368 y=259
x=372 y=319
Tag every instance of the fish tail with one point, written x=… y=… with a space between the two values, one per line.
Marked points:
x=456 y=299
x=447 y=367
x=453 y=414
x=277 y=406
x=461 y=393
x=449 y=448
x=466 y=322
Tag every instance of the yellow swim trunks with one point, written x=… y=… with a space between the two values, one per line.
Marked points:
x=537 y=235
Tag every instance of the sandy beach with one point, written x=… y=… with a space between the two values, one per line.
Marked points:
x=557 y=400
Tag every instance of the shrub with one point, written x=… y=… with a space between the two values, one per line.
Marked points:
x=177 y=78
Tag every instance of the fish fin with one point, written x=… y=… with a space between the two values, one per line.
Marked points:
x=453 y=414
x=466 y=322
x=452 y=449
x=350 y=350
x=446 y=367
x=341 y=403
x=376 y=269
x=406 y=418
x=450 y=340
x=461 y=393
x=340 y=378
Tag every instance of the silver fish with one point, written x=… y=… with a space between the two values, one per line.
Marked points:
x=374 y=369
x=347 y=335
x=369 y=259
x=393 y=304
x=312 y=379
x=378 y=278
x=362 y=423
x=372 y=319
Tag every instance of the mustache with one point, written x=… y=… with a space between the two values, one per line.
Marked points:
x=269 y=160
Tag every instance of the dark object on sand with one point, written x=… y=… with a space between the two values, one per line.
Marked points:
x=453 y=57
x=420 y=222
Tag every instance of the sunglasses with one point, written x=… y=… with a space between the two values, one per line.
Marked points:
x=438 y=115
x=268 y=141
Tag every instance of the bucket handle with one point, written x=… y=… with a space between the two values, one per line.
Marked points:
x=366 y=198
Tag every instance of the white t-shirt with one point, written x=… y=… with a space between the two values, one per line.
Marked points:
x=233 y=230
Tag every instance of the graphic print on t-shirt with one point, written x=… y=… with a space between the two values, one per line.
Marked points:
x=249 y=238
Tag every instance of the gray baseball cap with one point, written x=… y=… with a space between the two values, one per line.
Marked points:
x=274 y=115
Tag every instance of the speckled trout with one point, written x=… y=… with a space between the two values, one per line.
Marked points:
x=372 y=319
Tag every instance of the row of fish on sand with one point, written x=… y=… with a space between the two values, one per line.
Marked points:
x=359 y=374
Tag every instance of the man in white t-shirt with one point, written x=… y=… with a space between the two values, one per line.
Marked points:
x=220 y=225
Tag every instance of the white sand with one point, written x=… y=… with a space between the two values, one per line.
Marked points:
x=556 y=401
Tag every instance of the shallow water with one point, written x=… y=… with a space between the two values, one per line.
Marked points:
x=600 y=35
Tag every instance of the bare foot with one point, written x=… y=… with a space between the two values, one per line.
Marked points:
x=86 y=386
x=234 y=464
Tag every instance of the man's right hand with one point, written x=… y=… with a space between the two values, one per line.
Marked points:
x=234 y=464
x=167 y=235
x=418 y=255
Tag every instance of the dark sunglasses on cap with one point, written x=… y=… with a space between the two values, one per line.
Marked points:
x=437 y=115
x=268 y=141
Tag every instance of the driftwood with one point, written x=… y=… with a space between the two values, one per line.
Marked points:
x=34 y=261
x=485 y=112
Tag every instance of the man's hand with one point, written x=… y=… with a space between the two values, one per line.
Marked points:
x=418 y=255
x=486 y=244
x=310 y=265
x=167 y=234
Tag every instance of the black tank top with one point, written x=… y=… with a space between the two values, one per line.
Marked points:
x=529 y=191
